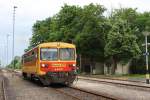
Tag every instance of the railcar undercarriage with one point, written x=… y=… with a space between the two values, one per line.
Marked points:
x=66 y=78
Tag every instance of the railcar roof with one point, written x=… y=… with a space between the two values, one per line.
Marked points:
x=57 y=44
x=53 y=44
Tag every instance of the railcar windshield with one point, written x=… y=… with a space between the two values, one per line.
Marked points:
x=67 y=54
x=49 y=54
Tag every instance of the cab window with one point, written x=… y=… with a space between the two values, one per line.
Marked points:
x=49 y=54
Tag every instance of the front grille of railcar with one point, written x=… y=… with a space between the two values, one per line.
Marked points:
x=58 y=74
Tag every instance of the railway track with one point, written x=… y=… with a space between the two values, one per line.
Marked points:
x=2 y=87
x=82 y=93
x=3 y=90
x=100 y=95
x=79 y=94
x=63 y=92
x=107 y=78
x=119 y=79
x=67 y=91
x=123 y=83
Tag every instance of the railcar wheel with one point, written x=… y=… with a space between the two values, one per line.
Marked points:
x=24 y=75
x=32 y=77
x=44 y=81
x=68 y=83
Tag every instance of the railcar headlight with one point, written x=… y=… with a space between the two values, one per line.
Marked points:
x=74 y=65
x=44 y=65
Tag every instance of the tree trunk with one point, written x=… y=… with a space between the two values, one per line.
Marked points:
x=114 y=65
x=91 y=65
x=80 y=57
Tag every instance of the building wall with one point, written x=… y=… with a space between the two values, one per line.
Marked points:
x=91 y=67
x=107 y=69
x=99 y=68
x=121 y=69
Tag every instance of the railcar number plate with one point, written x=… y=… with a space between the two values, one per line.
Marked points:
x=58 y=65
x=58 y=69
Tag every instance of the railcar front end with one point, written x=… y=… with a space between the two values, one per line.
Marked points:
x=58 y=65
x=53 y=62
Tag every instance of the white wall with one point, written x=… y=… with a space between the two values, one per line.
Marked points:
x=99 y=68
x=121 y=69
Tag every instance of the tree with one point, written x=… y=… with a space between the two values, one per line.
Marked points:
x=17 y=62
x=90 y=39
x=41 y=32
x=121 y=44
x=65 y=23
x=74 y=24
x=110 y=39
x=138 y=23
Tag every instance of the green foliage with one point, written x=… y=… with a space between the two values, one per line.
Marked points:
x=16 y=62
x=82 y=26
x=65 y=23
x=121 y=42
x=92 y=31
x=117 y=37
x=41 y=32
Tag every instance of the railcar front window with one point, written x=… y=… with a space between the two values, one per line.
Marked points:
x=49 y=54
x=67 y=54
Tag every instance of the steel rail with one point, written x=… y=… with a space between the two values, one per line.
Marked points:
x=3 y=90
x=140 y=87
x=109 y=78
x=106 y=78
x=18 y=74
x=67 y=94
x=106 y=96
x=110 y=97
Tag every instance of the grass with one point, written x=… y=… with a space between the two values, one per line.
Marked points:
x=127 y=76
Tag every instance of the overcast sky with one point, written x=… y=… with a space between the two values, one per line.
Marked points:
x=29 y=11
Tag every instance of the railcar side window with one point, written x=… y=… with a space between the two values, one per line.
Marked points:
x=67 y=54
x=49 y=54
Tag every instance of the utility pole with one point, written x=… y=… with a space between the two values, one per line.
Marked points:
x=7 y=49
x=146 y=56
x=14 y=9
x=147 y=71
